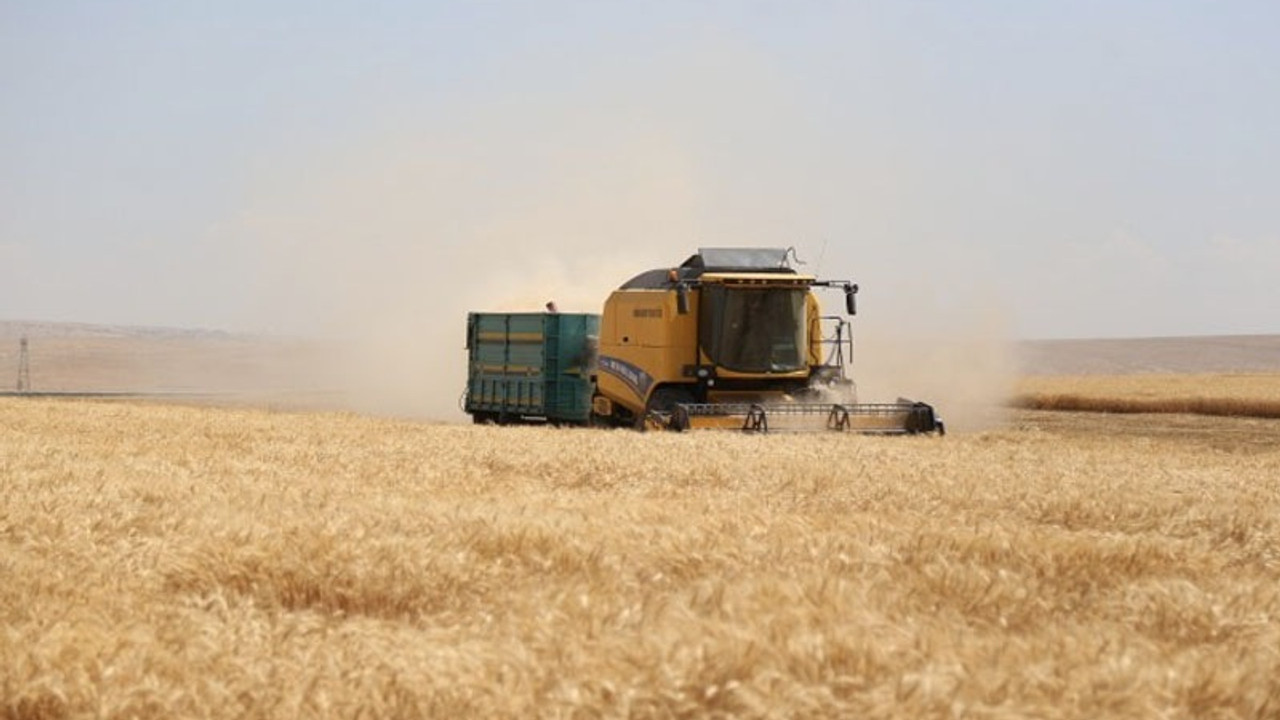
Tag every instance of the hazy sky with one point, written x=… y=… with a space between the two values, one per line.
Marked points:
x=1057 y=169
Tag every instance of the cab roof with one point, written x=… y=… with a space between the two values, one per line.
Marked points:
x=772 y=261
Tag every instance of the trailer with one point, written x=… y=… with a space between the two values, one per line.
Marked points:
x=530 y=367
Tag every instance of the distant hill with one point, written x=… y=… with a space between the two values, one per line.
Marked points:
x=12 y=329
x=1222 y=353
x=80 y=357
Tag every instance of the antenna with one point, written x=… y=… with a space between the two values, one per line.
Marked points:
x=821 y=254
x=24 y=367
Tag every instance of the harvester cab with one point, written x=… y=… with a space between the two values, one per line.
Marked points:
x=735 y=338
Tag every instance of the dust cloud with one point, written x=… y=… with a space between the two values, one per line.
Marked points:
x=386 y=249
x=961 y=358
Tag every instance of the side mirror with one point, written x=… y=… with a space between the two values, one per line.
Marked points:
x=682 y=299
x=850 y=304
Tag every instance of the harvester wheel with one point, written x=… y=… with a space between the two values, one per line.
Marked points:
x=663 y=403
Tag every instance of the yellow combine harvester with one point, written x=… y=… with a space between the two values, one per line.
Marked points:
x=735 y=338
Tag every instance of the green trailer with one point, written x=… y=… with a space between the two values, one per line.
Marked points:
x=530 y=367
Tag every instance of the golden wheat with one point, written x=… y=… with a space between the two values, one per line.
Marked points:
x=165 y=561
x=1225 y=407
x=1232 y=395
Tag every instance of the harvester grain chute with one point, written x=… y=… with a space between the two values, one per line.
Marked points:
x=733 y=338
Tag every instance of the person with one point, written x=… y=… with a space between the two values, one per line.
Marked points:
x=551 y=307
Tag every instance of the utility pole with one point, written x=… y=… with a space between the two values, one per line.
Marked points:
x=24 y=367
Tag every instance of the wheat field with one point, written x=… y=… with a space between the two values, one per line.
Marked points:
x=171 y=561
x=1253 y=394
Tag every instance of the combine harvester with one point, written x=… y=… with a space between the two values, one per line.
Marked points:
x=733 y=338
